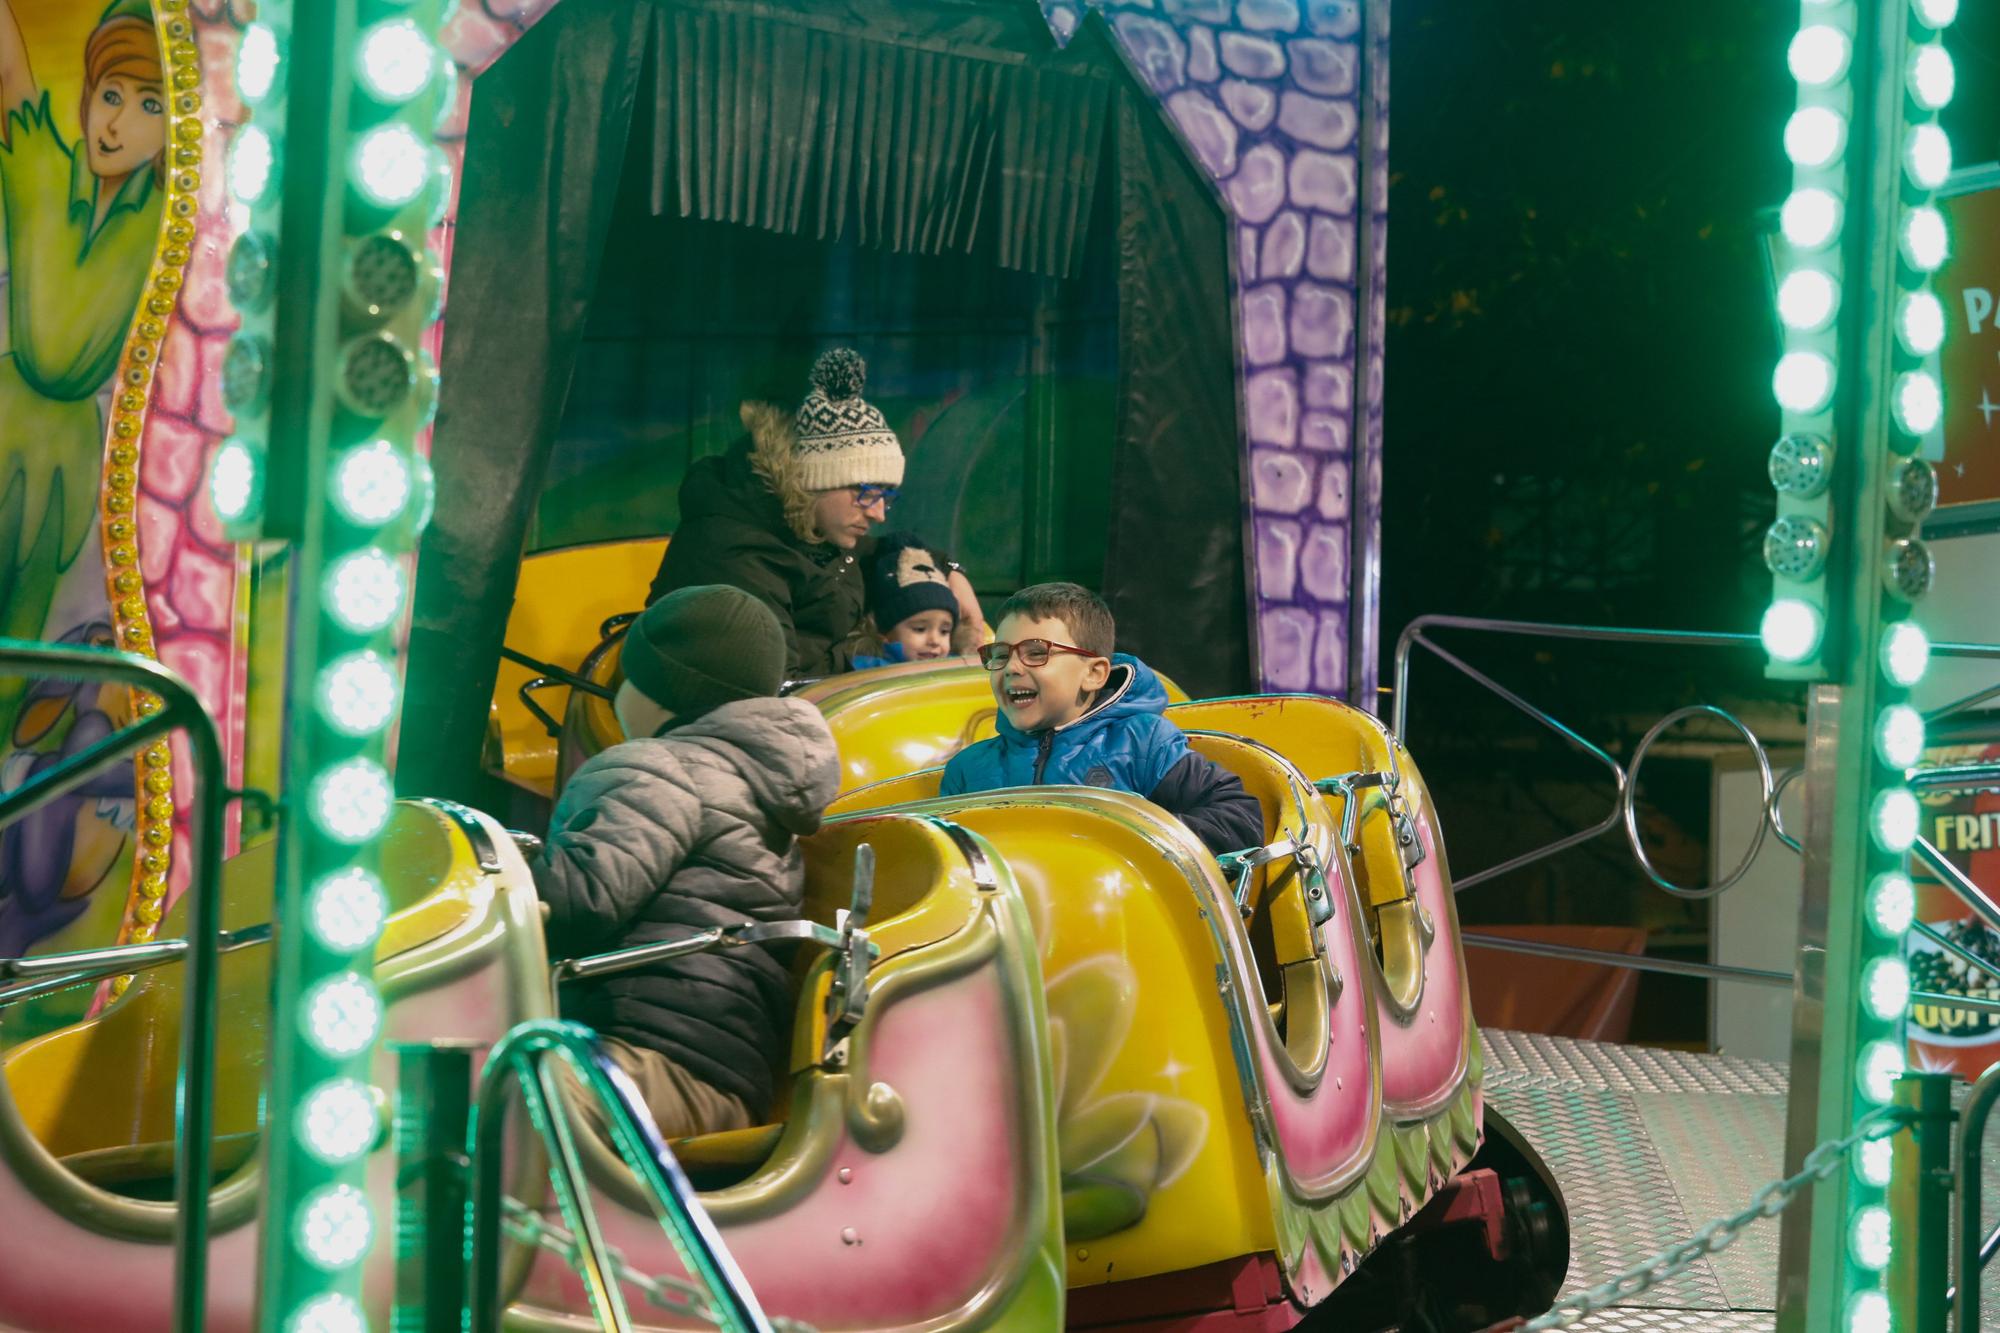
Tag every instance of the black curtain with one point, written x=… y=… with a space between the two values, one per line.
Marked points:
x=546 y=143
x=1175 y=575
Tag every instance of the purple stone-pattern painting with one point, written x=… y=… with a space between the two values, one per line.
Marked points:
x=1268 y=96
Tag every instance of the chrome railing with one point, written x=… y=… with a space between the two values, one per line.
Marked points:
x=1971 y=1254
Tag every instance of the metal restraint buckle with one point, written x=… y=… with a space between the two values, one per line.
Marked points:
x=847 y=998
x=1390 y=782
x=1312 y=874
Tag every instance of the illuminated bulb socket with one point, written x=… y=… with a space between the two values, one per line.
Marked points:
x=1803 y=382
x=391 y=165
x=351 y=801
x=1818 y=55
x=1920 y=323
x=1815 y=135
x=1810 y=218
x=1936 y=13
x=343 y=1016
x=253 y=165
x=1927 y=157
x=371 y=484
x=357 y=693
x=341 y=1121
x=1801 y=466
x=1899 y=737
x=1918 y=405
x=1913 y=490
x=1892 y=904
x=1885 y=989
x=1933 y=79
x=1908 y=571
x=376 y=375
x=1906 y=653
x=348 y=909
x=335 y=1227
x=258 y=63
x=1795 y=548
x=236 y=482
x=1807 y=300
x=1872 y=1162
x=395 y=61
x=1894 y=820
x=1881 y=1065
x=1926 y=241
x=365 y=590
x=328 y=1314
x=1791 y=630
x=381 y=276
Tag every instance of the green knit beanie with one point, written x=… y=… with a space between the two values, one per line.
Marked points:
x=699 y=648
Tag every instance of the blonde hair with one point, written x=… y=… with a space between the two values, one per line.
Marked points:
x=772 y=437
x=124 y=47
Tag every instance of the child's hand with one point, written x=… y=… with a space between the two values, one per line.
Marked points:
x=971 y=630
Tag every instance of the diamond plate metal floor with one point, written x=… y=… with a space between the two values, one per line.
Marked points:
x=1649 y=1146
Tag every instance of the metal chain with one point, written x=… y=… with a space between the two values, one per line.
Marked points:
x=673 y=1294
x=1770 y=1201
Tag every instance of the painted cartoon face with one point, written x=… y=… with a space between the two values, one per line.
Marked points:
x=125 y=126
x=1036 y=698
x=924 y=636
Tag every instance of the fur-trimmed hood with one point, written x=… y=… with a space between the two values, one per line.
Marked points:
x=773 y=457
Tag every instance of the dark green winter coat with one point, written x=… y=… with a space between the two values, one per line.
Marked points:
x=746 y=522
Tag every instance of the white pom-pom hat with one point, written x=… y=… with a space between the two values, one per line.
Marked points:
x=842 y=438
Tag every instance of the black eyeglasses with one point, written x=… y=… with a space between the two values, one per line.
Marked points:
x=864 y=496
x=1034 y=653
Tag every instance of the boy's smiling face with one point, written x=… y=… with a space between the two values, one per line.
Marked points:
x=1036 y=698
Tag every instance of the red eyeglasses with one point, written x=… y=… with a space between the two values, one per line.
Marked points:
x=1034 y=653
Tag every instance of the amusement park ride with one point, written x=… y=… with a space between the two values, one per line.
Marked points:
x=1052 y=1064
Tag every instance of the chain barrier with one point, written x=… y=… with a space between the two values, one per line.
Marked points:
x=1714 y=1238
x=673 y=1294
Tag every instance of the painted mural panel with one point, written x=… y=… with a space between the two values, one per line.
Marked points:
x=83 y=163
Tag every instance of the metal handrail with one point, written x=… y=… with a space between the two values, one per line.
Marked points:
x=1957 y=881
x=1969 y=1256
x=85 y=966
x=521 y=1058
x=194 y=1097
x=1474 y=939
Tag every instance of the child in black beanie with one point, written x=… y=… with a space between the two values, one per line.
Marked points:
x=914 y=608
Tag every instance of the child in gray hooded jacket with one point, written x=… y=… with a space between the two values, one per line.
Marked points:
x=690 y=824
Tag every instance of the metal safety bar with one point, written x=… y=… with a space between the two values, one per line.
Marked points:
x=1636 y=962
x=522 y=1059
x=88 y=965
x=1957 y=881
x=1969 y=1255
x=179 y=709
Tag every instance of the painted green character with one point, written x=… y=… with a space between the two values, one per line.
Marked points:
x=81 y=224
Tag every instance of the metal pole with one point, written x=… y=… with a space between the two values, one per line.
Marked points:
x=1635 y=962
x=1967 y=1257
x=1920 y=1205
x=433 y=1109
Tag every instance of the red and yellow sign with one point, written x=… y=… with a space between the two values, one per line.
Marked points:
x=1969 y=286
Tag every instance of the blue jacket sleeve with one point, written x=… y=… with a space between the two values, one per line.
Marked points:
x=1212 y=802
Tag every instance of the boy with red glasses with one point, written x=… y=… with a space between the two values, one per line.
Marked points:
x=1073 y=711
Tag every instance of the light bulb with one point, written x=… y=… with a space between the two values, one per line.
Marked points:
x=343 y=1014
x=1906 y=653
x=1814 y=136
x=391 y=165
x=1926 y=241
x=1919 y=403
x=252 y=161
x=348 y=909
x=364 y=590
x=1791 y=630
x=1872 y=1161
x=371 y=483
x=1920 y=323
x=1818 y=55
x=339 y=1121
x=1885 y=984
x=335 y=1226
x=351 y=801
x=1928 y=156
x=232 y=480
x=1899 y=736
x=1936 y=13
x=1803 y=381
x=328 y=1314
x=1933 y=79
x=1881 y=1065
x=1806 y=299
x=1810 y=218
x=396 y=61
x=1870 y=1238
x=256 y=63
x=1895 y=819
x=1892 y=904
x=357 y=693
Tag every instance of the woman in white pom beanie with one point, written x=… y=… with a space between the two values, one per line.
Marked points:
x=785 y=512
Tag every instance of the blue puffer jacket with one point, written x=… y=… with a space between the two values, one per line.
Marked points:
x=1123 y=743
